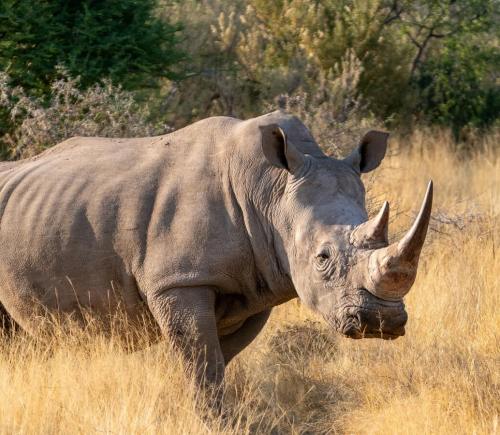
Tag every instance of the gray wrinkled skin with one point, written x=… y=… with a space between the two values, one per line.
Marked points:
x=217 y=222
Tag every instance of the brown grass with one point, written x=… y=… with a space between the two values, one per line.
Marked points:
x=298 y=377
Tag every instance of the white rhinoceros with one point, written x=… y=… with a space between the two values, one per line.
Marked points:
x=210 y=226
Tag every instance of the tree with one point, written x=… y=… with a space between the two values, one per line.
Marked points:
x=426 y=21
x=121 y=40
x=457 y=86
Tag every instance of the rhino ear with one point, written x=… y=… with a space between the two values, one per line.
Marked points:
x=278 y=150
x=370 y=152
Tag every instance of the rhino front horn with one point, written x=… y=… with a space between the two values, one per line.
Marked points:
x=392 y=270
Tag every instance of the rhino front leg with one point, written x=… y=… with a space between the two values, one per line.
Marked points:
x=187 y=316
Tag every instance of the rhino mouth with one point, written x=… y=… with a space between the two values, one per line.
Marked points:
x=375 y=318
x=354 y=331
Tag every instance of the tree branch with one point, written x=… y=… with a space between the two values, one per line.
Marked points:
x=394 y=13
x=420 y=53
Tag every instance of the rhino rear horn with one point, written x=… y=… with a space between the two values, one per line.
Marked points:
x=373 y=233
x=392 y=270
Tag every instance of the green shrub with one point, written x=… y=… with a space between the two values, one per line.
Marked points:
x=121 y=40
x=457 y=87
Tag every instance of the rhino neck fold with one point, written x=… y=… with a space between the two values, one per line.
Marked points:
x=255 y=191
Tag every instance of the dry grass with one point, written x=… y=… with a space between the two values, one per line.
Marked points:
x=442 y=377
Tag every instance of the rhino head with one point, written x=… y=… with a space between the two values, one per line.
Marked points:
x=340 y=262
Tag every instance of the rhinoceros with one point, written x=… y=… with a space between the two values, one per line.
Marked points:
x=212 y=225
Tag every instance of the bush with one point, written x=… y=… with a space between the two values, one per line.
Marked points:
x=458 y=87
x=405 y=61
x=244 y=55
x=121 y=40
x=101 y=110
x=334 y=112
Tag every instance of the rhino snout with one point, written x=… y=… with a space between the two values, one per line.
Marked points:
x=374 y=318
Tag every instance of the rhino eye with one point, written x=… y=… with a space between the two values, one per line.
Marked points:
x=323 y=256
x=323 y=260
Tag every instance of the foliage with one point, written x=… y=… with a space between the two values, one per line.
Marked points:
x=100 y=110
x=458 y=87
x=407 y=62
x=245 y=55
x=333 y=111
x=121 y=40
